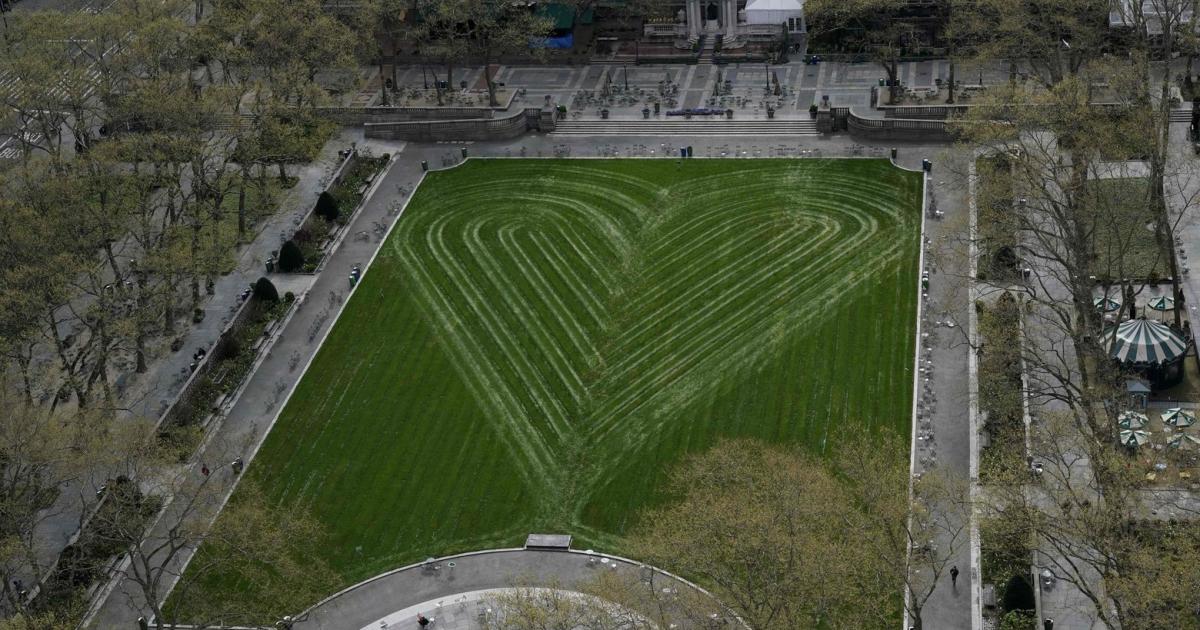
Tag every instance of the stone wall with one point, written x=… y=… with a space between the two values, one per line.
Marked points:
x=896 y=129
x=500 y=128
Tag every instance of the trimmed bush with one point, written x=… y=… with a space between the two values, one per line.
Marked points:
x=1018 y=594
x=327 y=207
x=264 y=290
x=290 y=257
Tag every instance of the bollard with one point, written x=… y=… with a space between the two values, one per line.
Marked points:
x=464 y=152
x=424 y=165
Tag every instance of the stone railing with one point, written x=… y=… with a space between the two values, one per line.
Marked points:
x=665 y=30
x=501 y=128
x=923 y=112
x=898 y=129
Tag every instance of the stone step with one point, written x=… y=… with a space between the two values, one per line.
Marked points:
x=693 y=127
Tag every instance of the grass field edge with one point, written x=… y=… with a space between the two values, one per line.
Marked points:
x=916 y=374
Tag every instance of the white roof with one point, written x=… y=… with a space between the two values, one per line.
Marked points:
x=775 y=5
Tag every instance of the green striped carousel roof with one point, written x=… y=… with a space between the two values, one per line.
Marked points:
x=1143 y=342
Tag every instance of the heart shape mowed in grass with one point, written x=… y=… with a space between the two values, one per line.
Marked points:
x=586 y=309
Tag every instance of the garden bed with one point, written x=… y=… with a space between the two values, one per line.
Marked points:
x=1125 y=244
x=1001 y=395
x=1005 y=561
x=997 y=224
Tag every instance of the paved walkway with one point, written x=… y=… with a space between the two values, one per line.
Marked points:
x=457 y=597
x=245 y=424
x=943 y=431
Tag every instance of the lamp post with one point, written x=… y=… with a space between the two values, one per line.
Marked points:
x=767 y=76
x=625 y=67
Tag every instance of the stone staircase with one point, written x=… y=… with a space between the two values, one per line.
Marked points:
x=683 y=127
x=707 y=44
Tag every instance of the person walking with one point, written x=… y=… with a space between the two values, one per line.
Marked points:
x=422 y=620
x=204 y=469
x=954 y=576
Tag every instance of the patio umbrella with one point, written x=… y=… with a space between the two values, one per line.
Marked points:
x=1184 y=442
x=1106 y=304
x=1178 y=418
x=1132 y=420
x=1161 y=303
x=1134 y=439
x=1143 y=342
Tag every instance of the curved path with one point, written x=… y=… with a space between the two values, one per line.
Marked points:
x=452 y=594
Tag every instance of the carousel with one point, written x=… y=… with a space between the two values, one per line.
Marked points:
x=1149 y=347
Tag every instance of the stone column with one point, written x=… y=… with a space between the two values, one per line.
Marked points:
x=730 y=8
x=693 y=19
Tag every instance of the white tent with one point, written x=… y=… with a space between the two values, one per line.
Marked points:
x=773 y=11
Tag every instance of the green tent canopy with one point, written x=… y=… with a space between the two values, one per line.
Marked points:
x=562 y=16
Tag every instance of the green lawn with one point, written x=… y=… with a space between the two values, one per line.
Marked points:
x=540 y=339
x=1122 y=230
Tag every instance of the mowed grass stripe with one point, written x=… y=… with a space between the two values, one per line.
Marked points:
x=540 y=339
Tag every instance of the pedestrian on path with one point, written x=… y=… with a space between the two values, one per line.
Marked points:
x=954 y=576
x=422 y=620
x=204 y=469
x=237 y=466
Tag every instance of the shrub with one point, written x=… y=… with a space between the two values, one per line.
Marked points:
x=1018 y=594
x=1018 y=620
x=290 y=257
x=327 y=207
x=265 y=291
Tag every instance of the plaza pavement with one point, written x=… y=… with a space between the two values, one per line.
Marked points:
x=456 y=592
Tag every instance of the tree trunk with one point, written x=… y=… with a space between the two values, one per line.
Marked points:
x=950 y=95
x=491 y=85
x=141 y=334
x=67 y=366
x=382 y=82
x=242 y=207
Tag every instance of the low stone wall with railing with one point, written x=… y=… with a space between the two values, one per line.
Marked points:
x=898 y=129
x=502 y=128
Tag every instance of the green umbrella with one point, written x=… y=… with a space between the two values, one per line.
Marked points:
x=1134 y=439
x=1161 y=303
x=1132 y=420
x=1106 y=304
x=1184 y=442
x=1178 y=418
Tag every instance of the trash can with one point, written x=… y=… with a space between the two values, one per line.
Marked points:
x=464 y=152
x=770 y=112
x=645 y=112
x=893 y=154
x=682 y=152
x=881 y=83
x=271 y=264
x=604 y=114
x=424 y=165
x=689 y=151
x=926 y=165
x=729 y=114
x=657 y=108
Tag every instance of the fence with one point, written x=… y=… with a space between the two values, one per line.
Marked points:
x=503 y=128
